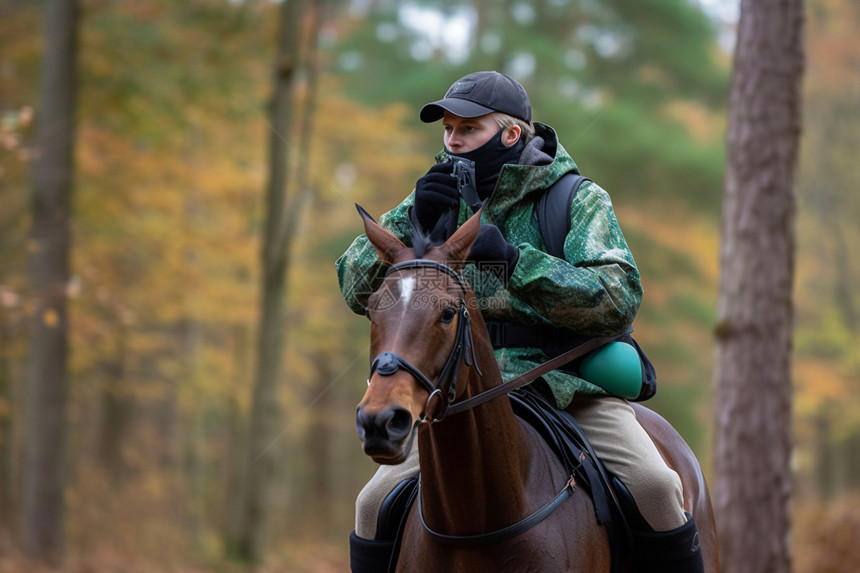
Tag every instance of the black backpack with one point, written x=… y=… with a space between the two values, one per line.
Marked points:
x=553 y=215
x=553 y=211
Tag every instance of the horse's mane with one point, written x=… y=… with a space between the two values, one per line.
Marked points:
x=420 y=241
x=423 y=240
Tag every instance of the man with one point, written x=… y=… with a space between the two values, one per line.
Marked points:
x=594 y=290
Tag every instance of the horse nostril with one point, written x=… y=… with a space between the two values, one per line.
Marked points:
x=392 y=424
x=400 y=424
x=364 y=424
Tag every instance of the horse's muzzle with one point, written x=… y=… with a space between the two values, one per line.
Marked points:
x=385 y=432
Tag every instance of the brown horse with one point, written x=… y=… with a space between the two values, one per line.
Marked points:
x=482 y=469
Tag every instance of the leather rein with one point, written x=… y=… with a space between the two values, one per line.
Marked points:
x=387 y=363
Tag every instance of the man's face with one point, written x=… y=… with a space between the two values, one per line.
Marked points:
x=466 y=134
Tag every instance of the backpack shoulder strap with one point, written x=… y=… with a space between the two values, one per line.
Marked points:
x=553 y=211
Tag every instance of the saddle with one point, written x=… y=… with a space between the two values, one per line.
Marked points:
x=614 y=506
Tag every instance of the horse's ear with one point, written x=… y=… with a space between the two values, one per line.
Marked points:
x=457 y=248
x=389 y=248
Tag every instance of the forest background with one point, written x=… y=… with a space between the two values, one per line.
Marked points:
x=168 y=210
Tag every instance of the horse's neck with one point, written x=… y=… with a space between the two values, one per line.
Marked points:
x=473 y=463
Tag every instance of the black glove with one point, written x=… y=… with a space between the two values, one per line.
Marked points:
x=493 y=253
x=435 y=193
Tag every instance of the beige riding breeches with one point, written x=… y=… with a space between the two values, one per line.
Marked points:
x=618 y=440
x=370 y=498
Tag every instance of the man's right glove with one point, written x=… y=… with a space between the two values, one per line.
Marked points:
x=435 y=193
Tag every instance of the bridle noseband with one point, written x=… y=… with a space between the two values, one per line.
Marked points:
x=387 y=363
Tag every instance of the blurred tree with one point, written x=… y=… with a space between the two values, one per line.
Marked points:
x=281 y=212
x=47 y=379
x=320 y=439
x=13 y=238
x=754 y=329
x=18 y=94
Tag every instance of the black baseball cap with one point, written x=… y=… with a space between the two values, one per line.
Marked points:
x=481 y=93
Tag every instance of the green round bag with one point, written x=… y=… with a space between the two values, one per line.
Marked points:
x=615 y=367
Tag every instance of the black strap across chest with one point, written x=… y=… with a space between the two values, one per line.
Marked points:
x=553 y=211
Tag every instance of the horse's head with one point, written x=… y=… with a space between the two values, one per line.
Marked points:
x=419 y=336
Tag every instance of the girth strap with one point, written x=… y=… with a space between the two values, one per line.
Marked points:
x=505 y=533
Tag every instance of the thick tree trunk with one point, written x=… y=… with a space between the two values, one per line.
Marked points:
x=49 y=272
x=754 y=330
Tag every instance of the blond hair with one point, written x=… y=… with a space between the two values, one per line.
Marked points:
x=527 y=130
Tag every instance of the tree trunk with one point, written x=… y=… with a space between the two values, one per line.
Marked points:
x=315 y=504
x=317 y=500
x=754 y=308
x=49 y=273
x=264 y=409
x=8 y=398
x=117 y=407
x=235 y=477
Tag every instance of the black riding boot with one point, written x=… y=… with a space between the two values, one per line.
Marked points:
x=675 y=551
x=369 y=555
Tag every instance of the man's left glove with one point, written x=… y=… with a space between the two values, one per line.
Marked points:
x=492 y=252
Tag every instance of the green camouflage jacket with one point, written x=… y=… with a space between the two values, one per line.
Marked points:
x=596 y=291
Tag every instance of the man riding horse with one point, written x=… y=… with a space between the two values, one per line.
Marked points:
x=533 y=301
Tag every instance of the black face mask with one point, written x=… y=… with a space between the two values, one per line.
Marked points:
x=489 y=159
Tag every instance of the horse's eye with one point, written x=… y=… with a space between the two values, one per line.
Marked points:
x=448 y=315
